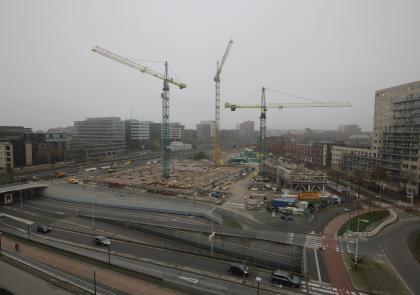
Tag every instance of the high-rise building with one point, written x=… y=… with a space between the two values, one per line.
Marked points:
x=247 y=132
x=396 y=133
x=98 y=137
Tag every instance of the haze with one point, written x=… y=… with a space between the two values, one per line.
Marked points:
x=326 y=50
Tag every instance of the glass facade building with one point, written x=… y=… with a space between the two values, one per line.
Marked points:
x=98 y=137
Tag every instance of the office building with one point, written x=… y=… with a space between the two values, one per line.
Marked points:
x=99 y=137
x=137 y=134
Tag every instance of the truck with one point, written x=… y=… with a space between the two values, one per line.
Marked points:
x=279 y=203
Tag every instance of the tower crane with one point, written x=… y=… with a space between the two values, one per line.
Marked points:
x=263 y=117
x=165 y=98
x=216 y=79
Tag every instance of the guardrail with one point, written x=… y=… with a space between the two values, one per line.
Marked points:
x=55 y=273
x=251 y=255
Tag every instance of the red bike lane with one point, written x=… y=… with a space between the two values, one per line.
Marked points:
x=336 y=269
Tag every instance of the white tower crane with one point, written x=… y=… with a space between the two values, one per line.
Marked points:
x=165 y=98
x=217 y=152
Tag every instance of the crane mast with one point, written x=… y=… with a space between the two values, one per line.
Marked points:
x=217 y=152
x=263 y=130
x=263 y=119
x=165 y=98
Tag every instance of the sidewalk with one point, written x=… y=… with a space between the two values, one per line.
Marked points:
x=105 y=276
x=32 y=285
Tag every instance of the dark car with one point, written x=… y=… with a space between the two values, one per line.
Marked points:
x=101 y=241
x=217 y=195
x=239 y=269
x=43 y=228
x=285 y=278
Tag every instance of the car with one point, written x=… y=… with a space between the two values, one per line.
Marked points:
x=285 y=278
x=101 y=241
x=216 y=195
x=239 y=269
x=43 y=228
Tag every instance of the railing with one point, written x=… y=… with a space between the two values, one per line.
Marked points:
x=55 y=273
x=253 y=256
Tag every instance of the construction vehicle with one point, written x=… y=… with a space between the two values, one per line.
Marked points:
x=165 y=98
x=263 y=117
x=217 y=152
x=72 y=180
x=59 y=174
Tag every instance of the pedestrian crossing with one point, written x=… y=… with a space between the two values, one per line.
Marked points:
x=314 y=242
x=318 y=288
x=319 y=242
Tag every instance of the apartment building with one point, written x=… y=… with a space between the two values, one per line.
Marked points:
x=396 y=133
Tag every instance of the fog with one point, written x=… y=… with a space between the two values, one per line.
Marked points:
x=325 y=50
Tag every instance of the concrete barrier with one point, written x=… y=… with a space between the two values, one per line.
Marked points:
x=392 y=218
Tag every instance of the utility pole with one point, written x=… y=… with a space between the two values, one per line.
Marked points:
x=20 y=196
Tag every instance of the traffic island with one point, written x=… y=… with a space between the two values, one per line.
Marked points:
x=373 y=276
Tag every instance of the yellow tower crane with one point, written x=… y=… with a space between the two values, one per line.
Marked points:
x=263 y=107
x=217 y=160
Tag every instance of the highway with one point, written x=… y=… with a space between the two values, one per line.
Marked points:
x=50 y=212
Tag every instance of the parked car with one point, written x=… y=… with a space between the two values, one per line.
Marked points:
x=238 y=269
x=43 y=228
x=217 y=195
x=101 y=241
x=285 y=278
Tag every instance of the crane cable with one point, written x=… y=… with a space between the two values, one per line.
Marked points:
x=293 y=95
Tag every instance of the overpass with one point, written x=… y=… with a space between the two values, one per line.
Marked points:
x=14 y=193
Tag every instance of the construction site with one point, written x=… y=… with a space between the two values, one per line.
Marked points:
x=186 y=177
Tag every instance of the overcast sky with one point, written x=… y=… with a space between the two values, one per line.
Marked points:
x=325 y=50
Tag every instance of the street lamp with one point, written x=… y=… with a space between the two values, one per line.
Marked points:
x=410 y=196
x=357 y=240
x=258 y=281
x=94 y=281
x=381 y=188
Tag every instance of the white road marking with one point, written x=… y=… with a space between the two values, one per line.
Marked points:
x=317 y=266
x=19 y=229
x=192 y=280
x=16 y=218
x=55 y=212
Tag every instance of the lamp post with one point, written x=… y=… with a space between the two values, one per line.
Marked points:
x=20 y=196
x=93 y=207
x=410 y=195
x=357 y=240
x=258 y=281
x=94 y=281
x=381 y=187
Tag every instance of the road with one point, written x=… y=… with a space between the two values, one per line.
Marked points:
x=156 y=257
x=392 y=242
